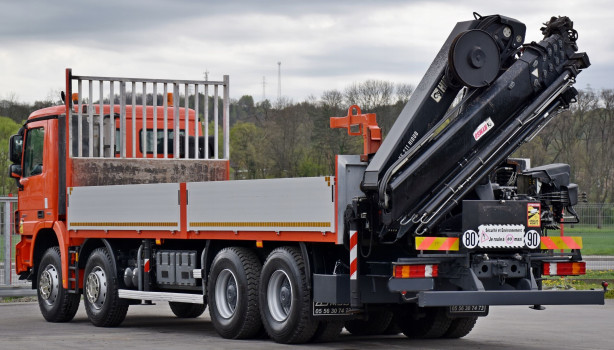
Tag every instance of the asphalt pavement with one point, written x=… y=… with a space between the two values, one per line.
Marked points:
x=155 y=327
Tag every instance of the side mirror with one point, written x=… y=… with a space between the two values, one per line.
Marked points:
x=15 y=171
x=15 y=148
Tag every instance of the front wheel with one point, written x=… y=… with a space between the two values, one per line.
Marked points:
x=102 y=303
x=56 y=304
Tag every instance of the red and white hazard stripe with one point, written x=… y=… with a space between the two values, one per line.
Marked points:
x=353 y=255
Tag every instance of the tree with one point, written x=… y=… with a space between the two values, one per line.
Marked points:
x=286 y=131
x=246 y=144
x=7 y=128
x=327 y=142
x=598 y=154
x=332 y=99
x=370 y=94
x=404 y=91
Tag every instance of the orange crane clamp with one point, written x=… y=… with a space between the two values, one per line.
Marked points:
x=367 y=127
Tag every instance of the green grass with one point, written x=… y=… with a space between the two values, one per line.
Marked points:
x=600 y=274
x=590 y=281
x=17 y=299
x=595 y=241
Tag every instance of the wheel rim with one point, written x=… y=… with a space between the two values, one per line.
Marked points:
x=226 y=293
x=279 y=296
x=49 y=284
x=96 y=287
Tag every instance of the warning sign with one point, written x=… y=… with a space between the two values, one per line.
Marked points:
x=534 y=215
x=501 y=236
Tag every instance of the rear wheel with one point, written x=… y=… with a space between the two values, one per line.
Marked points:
x=434 y=323
x=187 y=310
x=56 y=304
x=233 y=293
x=392 y=328
x=377 y=323
x=285 y=299
x=327 y=331
x=102 y=303
x=460 y=327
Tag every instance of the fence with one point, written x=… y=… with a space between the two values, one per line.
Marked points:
x=8 y=242
x=596 y=215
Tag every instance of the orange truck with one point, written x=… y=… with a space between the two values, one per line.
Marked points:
x=125 y=198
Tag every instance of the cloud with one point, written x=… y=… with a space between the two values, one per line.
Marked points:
x=321 y=44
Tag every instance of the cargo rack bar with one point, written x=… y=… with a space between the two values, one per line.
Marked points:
x=92 y=114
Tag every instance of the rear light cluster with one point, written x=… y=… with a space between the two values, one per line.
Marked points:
x=565 y=269
x=415 y=271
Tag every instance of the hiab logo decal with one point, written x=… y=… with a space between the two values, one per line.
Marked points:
x=533 y=215
x=483 y=129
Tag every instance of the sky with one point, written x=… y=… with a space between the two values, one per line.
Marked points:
x=321 y=44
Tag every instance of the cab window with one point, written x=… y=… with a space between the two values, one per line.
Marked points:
x=33 y=152
x=159 y=140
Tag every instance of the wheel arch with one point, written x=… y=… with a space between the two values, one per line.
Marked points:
x=89 y=245
x=213 y=247
x=43 y=240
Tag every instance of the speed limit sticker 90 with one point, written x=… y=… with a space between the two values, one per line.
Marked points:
x=532 y=239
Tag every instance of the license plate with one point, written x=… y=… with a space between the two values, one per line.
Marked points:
x=321 y=309
x=468 y=310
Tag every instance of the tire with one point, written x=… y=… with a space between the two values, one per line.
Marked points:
x=103 y=306
x=392 y=328
x=56 y=304
x=460 y=327
x=434 y=324
x=187 y=310
x=285 y=300
x=233 y=293
x=327 y=331
x=376 y=324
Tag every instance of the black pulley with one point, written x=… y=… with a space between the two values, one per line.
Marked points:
x=474 y=58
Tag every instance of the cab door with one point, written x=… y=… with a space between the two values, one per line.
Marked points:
x=32 y=198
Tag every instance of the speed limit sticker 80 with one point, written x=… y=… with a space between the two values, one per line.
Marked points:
x=471 y=239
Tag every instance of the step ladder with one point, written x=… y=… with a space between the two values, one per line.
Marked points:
x=73 y=269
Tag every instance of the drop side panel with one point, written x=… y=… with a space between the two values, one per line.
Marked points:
x=124 y=207
x=296 y=204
